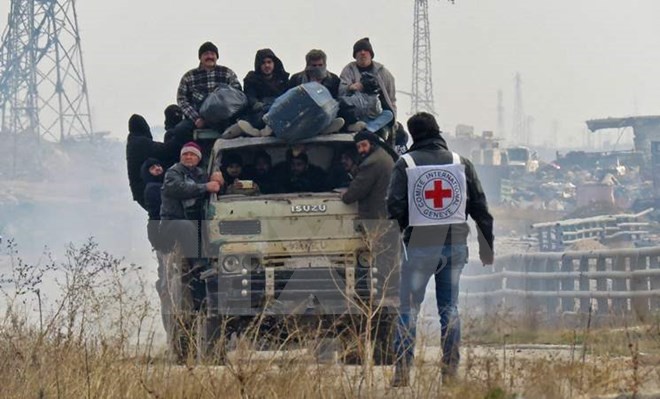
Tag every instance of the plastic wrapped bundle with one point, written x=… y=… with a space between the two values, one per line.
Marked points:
x=361 y=106
x=223 y=103
x=302 y=112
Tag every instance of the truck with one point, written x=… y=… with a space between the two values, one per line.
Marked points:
x=288 y=265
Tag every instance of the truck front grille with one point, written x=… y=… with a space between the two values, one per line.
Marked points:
x=307 y=261
x=240 y=227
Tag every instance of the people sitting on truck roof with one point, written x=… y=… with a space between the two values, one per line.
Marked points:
x=316 y=71
x=289 y=104
x=198 y=83
x=343 y=169
x=369 y=187
x=351 y=83
x=140 y=146
x=262 y=86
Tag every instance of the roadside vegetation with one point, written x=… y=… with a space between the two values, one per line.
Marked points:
x=85 y=326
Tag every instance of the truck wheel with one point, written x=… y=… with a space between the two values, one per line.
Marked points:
x=211 y=340
x=382 y=335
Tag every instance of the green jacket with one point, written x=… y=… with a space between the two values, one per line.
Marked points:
x=369 y=187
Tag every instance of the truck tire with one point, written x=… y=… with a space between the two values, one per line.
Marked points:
x=211 y=340
x=382 y=333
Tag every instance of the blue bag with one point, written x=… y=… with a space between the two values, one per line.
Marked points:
x=302 y=112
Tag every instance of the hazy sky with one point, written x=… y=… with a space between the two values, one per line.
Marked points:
x=579 y=59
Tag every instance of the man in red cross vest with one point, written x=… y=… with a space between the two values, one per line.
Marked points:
x=431 y=193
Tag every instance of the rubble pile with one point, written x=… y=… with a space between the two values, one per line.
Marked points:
x=574 y=187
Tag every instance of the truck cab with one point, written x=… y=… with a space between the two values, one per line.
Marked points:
x=288 y=254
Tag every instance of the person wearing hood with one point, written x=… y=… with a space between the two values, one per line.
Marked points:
x=369 y=186
x=316 y=71
x=140 y=146
x=152 y=174
x=432 y=192
x=173 y=116
x=316 y=74
x=352 y=82
x=262 y=86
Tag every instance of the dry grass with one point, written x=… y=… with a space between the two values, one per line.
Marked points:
x=94 y=338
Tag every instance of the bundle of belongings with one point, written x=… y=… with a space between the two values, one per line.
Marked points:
x=302 y=112
x=222 y=104
x=362 y=105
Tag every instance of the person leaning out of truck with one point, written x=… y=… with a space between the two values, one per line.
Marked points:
x=185 y=187
x=369 y=187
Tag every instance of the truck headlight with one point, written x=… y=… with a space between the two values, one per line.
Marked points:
x=364 y=258
x=231 y=264
x=251 y=262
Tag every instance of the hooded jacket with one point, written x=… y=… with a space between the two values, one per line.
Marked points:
x=258 y=87
x=140 y=146
x=351 y=74
x=434 y=151
x=370 y=185
x=152 y=188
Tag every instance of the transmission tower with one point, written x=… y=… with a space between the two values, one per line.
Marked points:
x=519 y=131
x=500 y=114
x=43 y=90
x=422 y=80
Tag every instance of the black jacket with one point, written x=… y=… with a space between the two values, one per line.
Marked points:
x=152 y=188
x=182 y=193
x=312 y=180
x=257 y=87
x=140 y=146
x=434 y=151
x=331 y=82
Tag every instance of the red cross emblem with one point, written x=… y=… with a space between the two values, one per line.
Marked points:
x=438 y=194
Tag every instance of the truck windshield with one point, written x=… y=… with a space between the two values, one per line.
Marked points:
x=283 y=169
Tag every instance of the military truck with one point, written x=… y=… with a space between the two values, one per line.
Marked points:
x=284 y=263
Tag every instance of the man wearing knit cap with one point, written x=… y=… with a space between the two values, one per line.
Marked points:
x=185 y=187
x=431 y=193
x=351 y=77
x=199 y=82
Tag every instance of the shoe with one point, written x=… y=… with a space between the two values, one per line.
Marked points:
x=232 y=131
x=249 y=129
x=401 y=376
x=267 y=131
x=449 y=376
x=356 y=127
x=334 y=126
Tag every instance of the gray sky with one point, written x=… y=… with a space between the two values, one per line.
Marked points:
x=579 y=59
